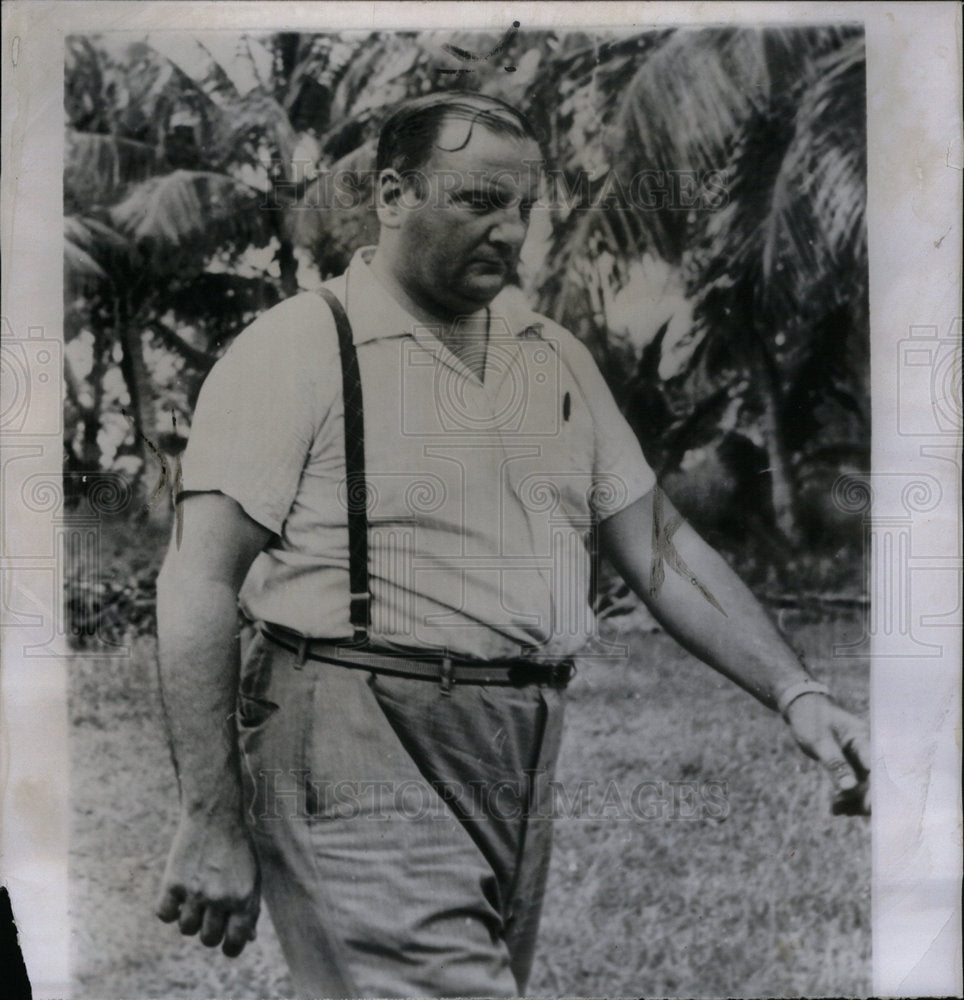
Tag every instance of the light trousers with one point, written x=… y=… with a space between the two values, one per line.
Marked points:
x=404 y=833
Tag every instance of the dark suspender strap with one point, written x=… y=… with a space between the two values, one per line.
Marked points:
x=357 y=493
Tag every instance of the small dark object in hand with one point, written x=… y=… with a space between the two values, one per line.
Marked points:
x=853 y=801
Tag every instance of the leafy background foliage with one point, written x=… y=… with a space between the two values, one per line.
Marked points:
x=703 y=233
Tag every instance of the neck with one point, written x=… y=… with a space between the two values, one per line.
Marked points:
x=465 y=337
x=431 y=313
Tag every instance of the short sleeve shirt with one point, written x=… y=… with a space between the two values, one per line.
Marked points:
x=482 y=492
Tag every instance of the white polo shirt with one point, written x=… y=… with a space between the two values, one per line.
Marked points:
x=481 y=493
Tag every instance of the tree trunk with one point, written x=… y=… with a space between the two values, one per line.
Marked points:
x=154 y=482
x=288 y=265
x=766 y=381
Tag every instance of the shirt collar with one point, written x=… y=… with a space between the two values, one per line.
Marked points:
x=376 y=314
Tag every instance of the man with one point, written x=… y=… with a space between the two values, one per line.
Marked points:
x=491 y=446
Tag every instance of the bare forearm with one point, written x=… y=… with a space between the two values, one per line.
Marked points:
x=199 y=663
x=708 y=609
x=211 y=881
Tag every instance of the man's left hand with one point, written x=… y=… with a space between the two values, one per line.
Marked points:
x=841 y=743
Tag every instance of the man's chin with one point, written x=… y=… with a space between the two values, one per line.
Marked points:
x=483 y=288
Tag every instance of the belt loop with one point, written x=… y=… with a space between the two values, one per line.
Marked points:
x=446 y=674
x=302 y=652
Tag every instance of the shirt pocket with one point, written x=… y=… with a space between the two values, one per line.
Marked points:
x=557 y=479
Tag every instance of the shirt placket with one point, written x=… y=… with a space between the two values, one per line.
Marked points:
x=517 y=448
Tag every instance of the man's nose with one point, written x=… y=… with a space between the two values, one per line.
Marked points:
x=510 y=227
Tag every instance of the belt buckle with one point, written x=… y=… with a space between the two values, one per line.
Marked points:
x=556 y=674
x=563 y=672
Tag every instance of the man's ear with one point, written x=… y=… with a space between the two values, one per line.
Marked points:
x=389 y=197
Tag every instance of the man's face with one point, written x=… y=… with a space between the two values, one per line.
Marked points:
x=463 y=223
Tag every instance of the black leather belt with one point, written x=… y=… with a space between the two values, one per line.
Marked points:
x=432 y=665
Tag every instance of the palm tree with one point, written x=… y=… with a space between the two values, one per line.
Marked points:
x=152 y=193
x=775 y=262
x=184 y=154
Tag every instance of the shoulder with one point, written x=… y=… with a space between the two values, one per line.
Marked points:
x=286 y=358
x=523 y=320
x=297 y=328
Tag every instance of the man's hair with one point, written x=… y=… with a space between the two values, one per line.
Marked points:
x=410 y=135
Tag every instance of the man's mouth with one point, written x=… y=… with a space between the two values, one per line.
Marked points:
x=491 y=264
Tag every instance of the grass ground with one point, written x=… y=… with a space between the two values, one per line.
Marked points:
x=760 y=892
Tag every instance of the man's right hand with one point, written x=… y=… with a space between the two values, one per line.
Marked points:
x=212 y=883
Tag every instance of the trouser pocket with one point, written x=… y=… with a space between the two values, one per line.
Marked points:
x=255 y=708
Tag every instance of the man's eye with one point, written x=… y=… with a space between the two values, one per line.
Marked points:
x=479 y=203
x=482 y=204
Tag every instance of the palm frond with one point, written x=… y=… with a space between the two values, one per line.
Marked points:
x=201 y=210
x=226 y=76
x=352 y=97
x=80 y=265
x=337 y=212
x=689 y=98
x=244 y=61
x=735 y=235
x=192 y=355
x=686 y=111
x=817 y=223
x=91 y=250
x=98 y=168
x=195 y=63
x=242 y=124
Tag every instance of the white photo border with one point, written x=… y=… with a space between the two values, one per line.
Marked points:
x=914 y=225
